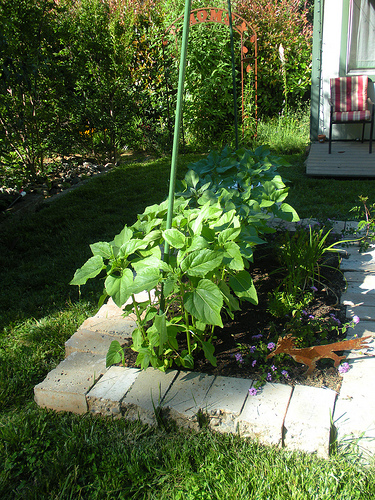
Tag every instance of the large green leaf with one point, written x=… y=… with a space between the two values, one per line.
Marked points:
x=120 y=287
x=174 y=237
x=201 y=262
x=243 y=286
x=147 y=280
x=89 y=270
x=205 y=303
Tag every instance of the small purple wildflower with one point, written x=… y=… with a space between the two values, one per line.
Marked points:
x=304 y=312
x=253 y=391
x=239 y=358
x=356 y=320
x=252 y=348
x=345 y=367
x=285 y=374
x=311 y=316
x=273 y=368
x=314 y=289
x=257 y=337
x=271 y=345
x=254 y=362
x=269 y=377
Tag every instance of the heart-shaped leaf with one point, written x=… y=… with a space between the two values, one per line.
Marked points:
x=205 y=303
x=120 y=287
x=201 y=262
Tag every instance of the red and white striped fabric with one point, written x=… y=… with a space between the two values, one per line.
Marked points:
x=349 y=98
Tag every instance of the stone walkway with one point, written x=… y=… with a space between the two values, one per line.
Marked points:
x=301 y=418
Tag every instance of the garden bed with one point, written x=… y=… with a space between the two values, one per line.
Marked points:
x=237 y=338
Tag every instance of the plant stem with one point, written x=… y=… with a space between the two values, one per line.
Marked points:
x=139 y=320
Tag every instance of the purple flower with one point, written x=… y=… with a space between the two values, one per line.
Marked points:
x=304 y=312
x=252 y=348
x=311 y=316
x=271 y=345
x=314 y=289
x=254 y=363
x=239 y=358
x=269 y=377
x=273 y=368
x=285 y=373
x=257 y=337
x=253 y=391
x=356 y=319
x=345 y=367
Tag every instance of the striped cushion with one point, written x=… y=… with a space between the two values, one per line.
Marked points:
x=349 y=93
x=351 y=116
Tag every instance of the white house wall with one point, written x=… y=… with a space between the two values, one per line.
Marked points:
x=330 y=68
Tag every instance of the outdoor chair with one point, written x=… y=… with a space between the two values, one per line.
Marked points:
x=350 y=104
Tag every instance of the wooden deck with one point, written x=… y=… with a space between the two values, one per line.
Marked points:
x=348 y=159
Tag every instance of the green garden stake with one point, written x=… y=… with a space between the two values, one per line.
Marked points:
x=176 y=135
x=233 y=72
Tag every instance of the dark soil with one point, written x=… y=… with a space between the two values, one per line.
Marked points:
x=237 y=335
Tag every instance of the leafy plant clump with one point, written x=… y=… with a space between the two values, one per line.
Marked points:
x=219 y=216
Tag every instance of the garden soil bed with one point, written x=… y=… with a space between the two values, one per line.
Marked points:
x=254 y=320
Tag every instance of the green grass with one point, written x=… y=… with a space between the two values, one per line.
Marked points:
x=62 y=456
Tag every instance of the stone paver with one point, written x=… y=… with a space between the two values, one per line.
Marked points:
x=146 y=395
x=224 y=402
x=186 y=398
x=65 y=387
x=95 y=342
x=107 y=393
x=308 y=420
x=263 y=414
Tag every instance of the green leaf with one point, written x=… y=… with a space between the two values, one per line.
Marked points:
x=120 y=287
x=205 y=303
x=174 y=238
x=131 y=246
x=147 y=280
x=209 y=350
x=102 y=248
x=286 y=212
x=144 y=358
x=232 y=256
x=243 y=286
x=231 y=301
x=187 y=361
x=89 y=270
x=137 y=339
x=115 y=354
x=228 y=234
x=123 y=237
x=201 y=262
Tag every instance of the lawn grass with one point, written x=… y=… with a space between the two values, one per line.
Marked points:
x=61 y=456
